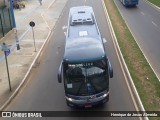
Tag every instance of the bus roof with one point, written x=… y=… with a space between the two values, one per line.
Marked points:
x=83 y=40
x=82 y=23
x=83 y=49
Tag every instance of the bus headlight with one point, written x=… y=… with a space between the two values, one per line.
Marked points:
x=104 y=95
x=69 y=99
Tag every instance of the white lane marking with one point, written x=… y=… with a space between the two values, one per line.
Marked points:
x=151 y=4
x=154 y=23
x=37 y=40
x=51 y=4
x=16 y=65
x=64 y=27
x=45 y=21
x=142 y=13
x=42 y=15
x=104 y=40
x=65 y=33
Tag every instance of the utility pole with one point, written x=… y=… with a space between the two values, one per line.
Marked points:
x=6 y=49
x=32 y=24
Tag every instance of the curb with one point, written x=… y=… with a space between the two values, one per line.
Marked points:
x=24 y=79
x=31 y=66
x=123 y=64
x=138 y=44
x=151 y=4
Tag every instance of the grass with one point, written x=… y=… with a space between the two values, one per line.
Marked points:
x=156 y=2
x=143 y=77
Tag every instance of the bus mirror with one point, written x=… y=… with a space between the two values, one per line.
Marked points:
x=60 y=73
x=110 y=70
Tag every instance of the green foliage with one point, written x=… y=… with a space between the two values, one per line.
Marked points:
x=156 y=2
x=145 y=80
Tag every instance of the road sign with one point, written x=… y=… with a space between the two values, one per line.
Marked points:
x=8 y=52
x=32 y=24
x=4 y=47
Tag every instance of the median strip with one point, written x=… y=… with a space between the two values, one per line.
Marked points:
x=145 y=80
x=155 y=2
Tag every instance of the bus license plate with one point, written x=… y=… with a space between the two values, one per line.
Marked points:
x=88 y=106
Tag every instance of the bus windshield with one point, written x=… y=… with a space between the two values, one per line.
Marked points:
x=86 y=78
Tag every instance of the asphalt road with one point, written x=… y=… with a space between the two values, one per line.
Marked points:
x=144 y=23
x=42 y=92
